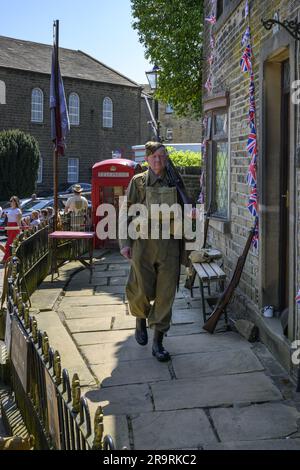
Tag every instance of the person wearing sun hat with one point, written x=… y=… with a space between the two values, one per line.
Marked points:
x=77 y=205
x=77 y=202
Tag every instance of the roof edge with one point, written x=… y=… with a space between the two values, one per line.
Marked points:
x=110 y=68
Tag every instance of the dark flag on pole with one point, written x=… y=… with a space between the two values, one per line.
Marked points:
x=60 y=124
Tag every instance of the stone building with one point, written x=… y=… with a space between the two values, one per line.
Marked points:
x=271 y=275
x=106 y=112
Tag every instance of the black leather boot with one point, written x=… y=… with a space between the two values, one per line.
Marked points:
x=141 y=334
x=157 y=348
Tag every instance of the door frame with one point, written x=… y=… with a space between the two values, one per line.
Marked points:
x=274 y=51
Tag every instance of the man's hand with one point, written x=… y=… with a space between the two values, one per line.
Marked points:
x=126 y=252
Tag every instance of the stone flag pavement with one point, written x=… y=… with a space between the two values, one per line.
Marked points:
x=217 y=392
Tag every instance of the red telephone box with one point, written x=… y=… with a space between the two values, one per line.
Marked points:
x=110 y=179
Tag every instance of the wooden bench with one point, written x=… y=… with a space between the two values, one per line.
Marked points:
x=207 y=273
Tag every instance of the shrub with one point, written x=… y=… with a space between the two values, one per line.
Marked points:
x=184 y=157
x=19 y=162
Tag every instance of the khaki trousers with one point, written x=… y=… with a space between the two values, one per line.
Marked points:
x=153 y=277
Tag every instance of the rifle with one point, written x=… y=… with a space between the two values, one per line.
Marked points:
x=176 y=180
x=225 y=298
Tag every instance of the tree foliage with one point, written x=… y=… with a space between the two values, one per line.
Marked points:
x=19 y=162
x=171 y=32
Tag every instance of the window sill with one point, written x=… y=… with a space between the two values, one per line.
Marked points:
x=222 y=226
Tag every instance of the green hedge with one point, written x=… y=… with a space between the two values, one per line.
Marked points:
x=184 y=157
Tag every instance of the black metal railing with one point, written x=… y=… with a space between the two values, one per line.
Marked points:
x=51 y=405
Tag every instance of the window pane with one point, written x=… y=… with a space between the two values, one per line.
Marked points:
x=107 y=112
x=220 y=124
x=37 y=99
x=2 y=92
x=73 y=170
x=221 y=179
x=74 y=109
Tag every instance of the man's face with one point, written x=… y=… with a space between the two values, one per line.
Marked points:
x=157 y=161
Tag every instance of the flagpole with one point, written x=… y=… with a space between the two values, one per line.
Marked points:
x=57 y=110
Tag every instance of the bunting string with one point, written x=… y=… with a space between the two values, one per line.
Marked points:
x=246 y=64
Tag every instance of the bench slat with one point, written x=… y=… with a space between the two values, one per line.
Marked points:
x=200 y=271
x=210 y=272
x=220 y=273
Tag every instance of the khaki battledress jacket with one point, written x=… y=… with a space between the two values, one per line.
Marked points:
x=155 y=263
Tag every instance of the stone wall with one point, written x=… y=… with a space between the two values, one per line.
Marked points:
x=230 y=236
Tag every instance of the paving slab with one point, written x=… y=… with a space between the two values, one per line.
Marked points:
x=121 y=400
x=97 y=311
x=266 y=421
x=44 y=299
x=83 y=292
x=60 y=340
x=187 y=315
x=171 y=430
x=130 y=372
x=215 y=363
x=100 y=274
x=103 y=337
x=125 y=351
x=199 y=342
x=207 y=392
x=187 y=329
x=84 y=283
x=117 y=428
x=100 y=267
x=110 y=290
x=124 y=322
x=117 y=281
x=104 y=299
x=88 y=324
x=267 y=444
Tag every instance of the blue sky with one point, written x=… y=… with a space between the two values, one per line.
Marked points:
x=101 y=28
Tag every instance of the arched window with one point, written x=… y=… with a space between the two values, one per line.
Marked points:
x=107 y=112
x=74 y=109
x=2 y=92
x=37 y=105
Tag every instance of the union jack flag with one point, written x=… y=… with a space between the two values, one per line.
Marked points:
x=210 y=60
x=246 y=64
x=208 y=84
x=246 y=37
x=255 y=236
x=211 y=19
x=252 y=204
x=298 y=298
x=252 y=142
x=251 y=177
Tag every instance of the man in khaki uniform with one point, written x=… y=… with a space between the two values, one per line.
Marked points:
x=155 y=263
